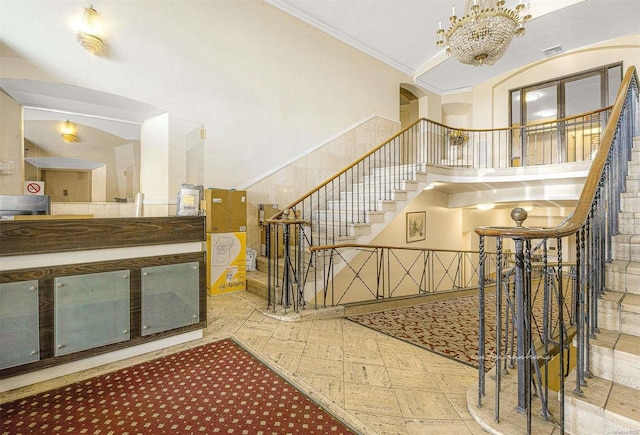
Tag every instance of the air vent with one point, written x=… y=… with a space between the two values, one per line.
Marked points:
x=552 y=50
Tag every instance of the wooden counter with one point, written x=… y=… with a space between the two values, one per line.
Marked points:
x=48 y=254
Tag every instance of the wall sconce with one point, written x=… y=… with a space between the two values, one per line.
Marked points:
x=90 y=32
x=68 y=132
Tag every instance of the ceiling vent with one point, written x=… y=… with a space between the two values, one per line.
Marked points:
x=552 y=50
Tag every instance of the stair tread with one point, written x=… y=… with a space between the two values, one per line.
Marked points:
x=605 y=339
x=612 y=296
x=609 y=340
x=629 y=344
x=605 y=394
x=624 y=401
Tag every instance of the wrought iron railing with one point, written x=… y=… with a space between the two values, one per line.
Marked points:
x=379 y=272
x=590 y=228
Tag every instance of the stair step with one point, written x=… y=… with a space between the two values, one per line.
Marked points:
x=623 y=276
x=604 y=407
x=616 y=357
x=347 y=229
x=630 y=202
x=379 y=205
x=342 y=216
x=619 y=312
x=257 y=283
x=626 y=247
x=632 y=183
x=629 y=222
x=372 y=195
x=380 y=184
x=634 y=168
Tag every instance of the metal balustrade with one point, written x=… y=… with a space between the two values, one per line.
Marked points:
x=569 y=299
x=378 y=272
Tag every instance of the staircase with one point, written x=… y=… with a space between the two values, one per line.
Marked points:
x=610 y=400
x=357 y=214
x=366 y=207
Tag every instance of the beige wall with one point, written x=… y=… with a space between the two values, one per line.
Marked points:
x=11 y=146
x=307 y=172
x=266 y=86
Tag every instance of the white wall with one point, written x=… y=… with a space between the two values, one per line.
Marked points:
x=154 y=160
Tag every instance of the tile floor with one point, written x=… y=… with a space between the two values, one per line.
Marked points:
x=377 y=384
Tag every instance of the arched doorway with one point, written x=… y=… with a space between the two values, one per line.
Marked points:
x=409 y=108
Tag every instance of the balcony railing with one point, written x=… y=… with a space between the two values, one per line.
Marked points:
x=378 y=272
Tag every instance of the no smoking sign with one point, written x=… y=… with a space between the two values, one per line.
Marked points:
x=34 y=187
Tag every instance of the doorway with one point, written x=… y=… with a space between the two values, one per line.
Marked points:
x=409 y=108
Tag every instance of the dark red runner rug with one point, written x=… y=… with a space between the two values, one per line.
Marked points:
x=448 y=327
x=215 y=388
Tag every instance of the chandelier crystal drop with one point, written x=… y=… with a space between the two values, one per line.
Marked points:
x=483 y=34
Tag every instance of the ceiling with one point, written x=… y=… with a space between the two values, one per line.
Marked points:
x=402 y=33
x=41 y=100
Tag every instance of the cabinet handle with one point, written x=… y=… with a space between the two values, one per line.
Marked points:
x=32 y=288
x=124 y=332
x=145 y=274
x=59 y=285
x=125 y=277
x=33 y=352
x=145 y=327
x=60 y=346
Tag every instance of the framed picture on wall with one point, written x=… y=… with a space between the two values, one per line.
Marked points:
x=416 y=226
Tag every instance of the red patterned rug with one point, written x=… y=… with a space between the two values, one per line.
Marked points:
x=448 y=327
x=215 y=388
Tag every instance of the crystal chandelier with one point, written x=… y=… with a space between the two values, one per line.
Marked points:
x=484 y=32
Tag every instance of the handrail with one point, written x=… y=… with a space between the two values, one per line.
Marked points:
x=374 y=246
x=593 y=222
x=592 y=181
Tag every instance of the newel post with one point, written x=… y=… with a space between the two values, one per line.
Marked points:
x=519 y=215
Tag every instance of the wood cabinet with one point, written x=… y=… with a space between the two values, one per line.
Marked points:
x=74 y=289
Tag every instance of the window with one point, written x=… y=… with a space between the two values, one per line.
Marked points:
x=555 y=100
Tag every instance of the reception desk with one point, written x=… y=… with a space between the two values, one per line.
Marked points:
x=75 y=289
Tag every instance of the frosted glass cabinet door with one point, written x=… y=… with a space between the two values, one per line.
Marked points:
x=19 y=325
x=170 y=297
x=91 y=310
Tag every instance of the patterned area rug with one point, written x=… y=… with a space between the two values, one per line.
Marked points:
x=448 y=327
x=216 y=388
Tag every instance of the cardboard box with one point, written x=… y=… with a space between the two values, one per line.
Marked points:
x=226 y=210
x=226 y=262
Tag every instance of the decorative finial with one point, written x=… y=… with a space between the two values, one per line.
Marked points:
x=519 y=215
